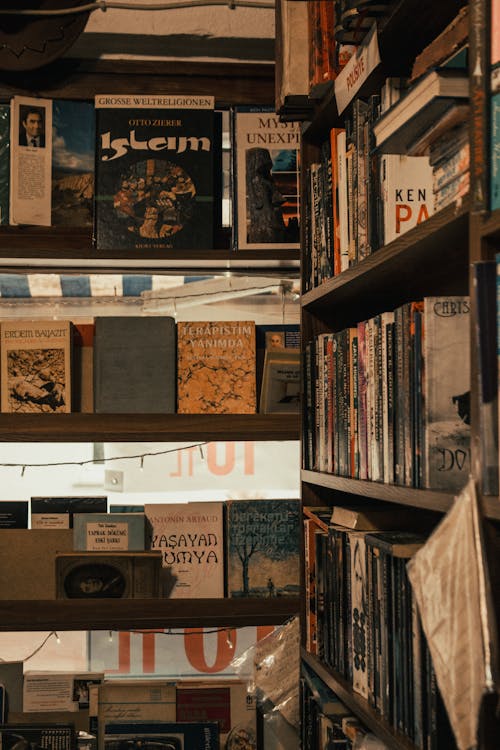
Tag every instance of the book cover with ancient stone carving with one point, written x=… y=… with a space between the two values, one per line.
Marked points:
x=216 y=367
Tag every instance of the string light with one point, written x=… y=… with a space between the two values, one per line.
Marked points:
x=140 y=456
x=182 y=632
x=107 y=4
x=142 y=462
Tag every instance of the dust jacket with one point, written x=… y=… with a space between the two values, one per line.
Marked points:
x=155 y=172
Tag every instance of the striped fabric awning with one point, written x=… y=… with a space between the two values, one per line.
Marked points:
x=33 y=285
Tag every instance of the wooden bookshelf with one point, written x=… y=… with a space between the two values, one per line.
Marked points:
x=134 y=614
x=428 y=258
x=391 y=493
x=359 y=706
x=433 y=259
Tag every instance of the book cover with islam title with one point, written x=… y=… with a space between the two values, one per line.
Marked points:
x=155 y=172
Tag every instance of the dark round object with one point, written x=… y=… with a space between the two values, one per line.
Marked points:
x=30 y=42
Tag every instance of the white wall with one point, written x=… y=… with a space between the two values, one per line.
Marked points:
x=199 y=33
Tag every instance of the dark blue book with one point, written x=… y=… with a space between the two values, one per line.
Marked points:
x=14 y=514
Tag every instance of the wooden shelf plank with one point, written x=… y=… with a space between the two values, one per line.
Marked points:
x=71 y=247
x=130 y=614
x=428 y=499
x=229 y=83
x=490 y=229
x=60 y=428
x=425 y=260
x=391 y=493
x=359 y=706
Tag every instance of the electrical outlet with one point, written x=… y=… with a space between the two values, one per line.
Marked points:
x=113 y=480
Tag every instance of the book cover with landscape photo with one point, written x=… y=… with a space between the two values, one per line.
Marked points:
x=73 y=143
x=155 y=172
x=263 y=540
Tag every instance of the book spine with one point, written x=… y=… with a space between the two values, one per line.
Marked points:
x=495 y=151
x=328 y=210
x=484 y=288
x=334 y=157
x=336 y=387
x=353 y=418
x=359 y=614
x=343 y=205
x=479 y=56
x=362 y=403
x=399 y=456
x=361 y=109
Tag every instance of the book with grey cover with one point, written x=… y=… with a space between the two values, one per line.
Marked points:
x=446 y=391
x=134 y=365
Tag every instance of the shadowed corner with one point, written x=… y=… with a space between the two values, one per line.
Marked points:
x=167 y=582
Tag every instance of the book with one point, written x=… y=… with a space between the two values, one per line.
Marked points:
x=27 y=559
x=272 y=336
x=103 y=532
x=407 y=196
x=57 y=690
x=13 y=514
x=190 y=539
x=266 y=180
x=484 y=295
x=446 y=392
x=134 y=365
x=11 y=678
x=73 y=146
x=30 y=180
x=175 y=735
x=262 y=538
x=48 y=736
x=280 y=393
x=369 y=518
x=58 y=512
x=84 y=367
x=156 y=166
x=131 y=701
x=423 y=103
x=229 y=703
x=495 y=152
x=292 y=51
x=36 y=366
x=4 y=162
x=216 y=367
x=452 y=38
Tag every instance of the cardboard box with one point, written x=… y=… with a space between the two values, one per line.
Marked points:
x=27 y=561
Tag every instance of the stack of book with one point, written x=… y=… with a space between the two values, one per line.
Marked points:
x=388 y=400
x=367 y=628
